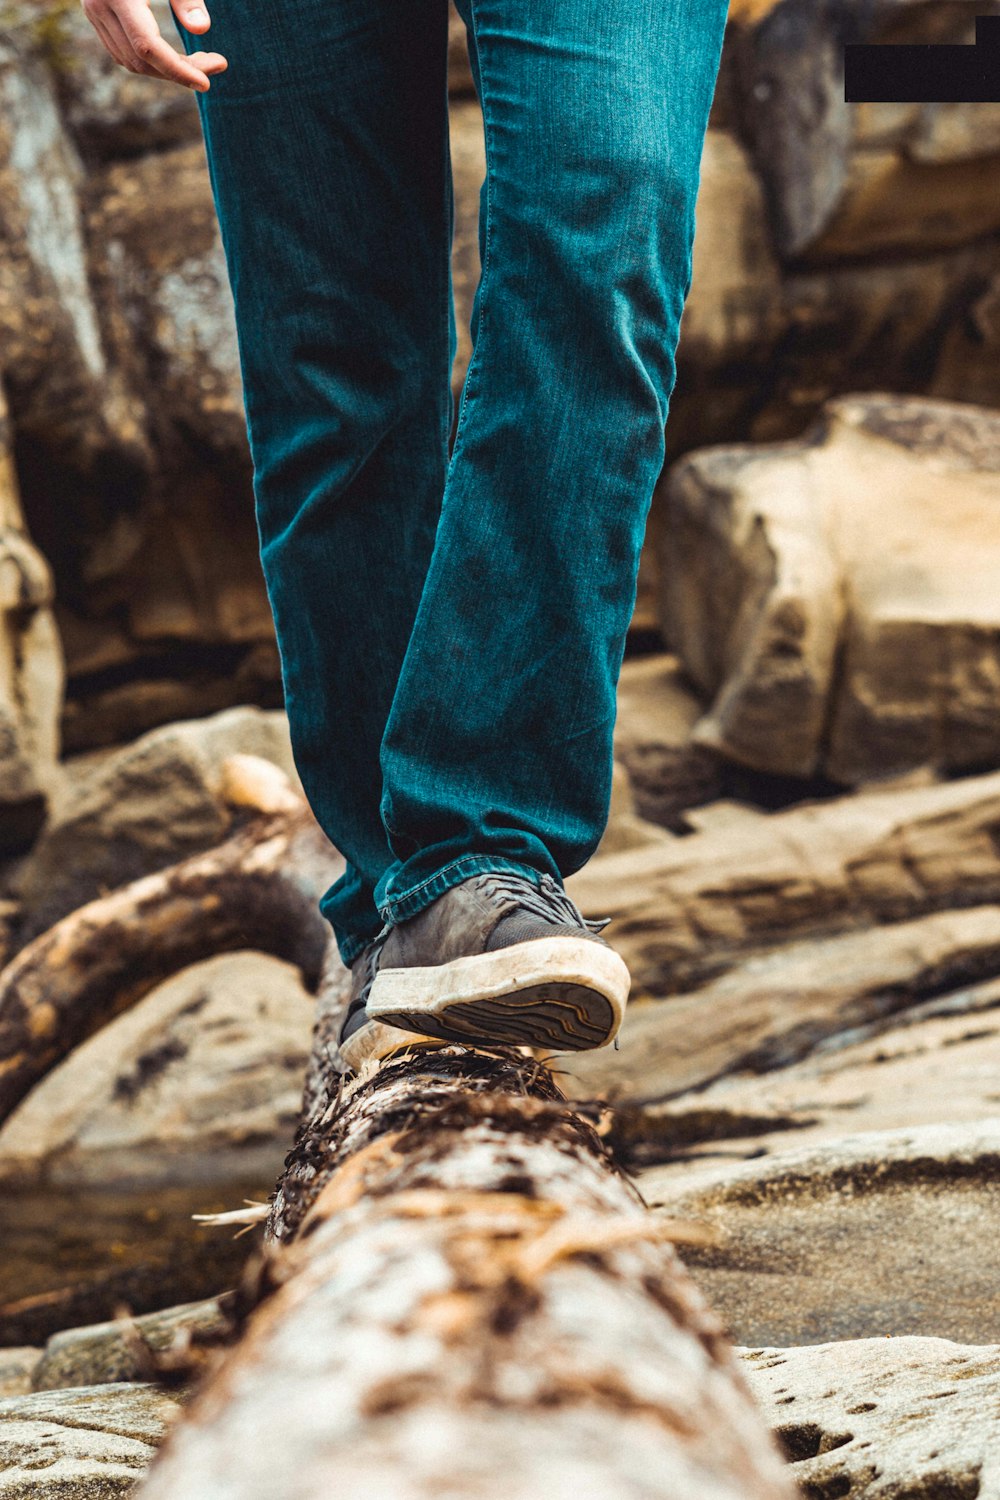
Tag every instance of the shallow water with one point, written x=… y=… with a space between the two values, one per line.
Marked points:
x=73 y=1257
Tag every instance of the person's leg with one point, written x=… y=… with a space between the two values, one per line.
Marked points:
x=328 y=153
x=498 y=750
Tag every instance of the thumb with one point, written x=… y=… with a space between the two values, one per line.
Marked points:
x=192 y=15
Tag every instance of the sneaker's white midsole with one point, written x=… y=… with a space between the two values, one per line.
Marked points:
x=376 y=1040
x=434 y=988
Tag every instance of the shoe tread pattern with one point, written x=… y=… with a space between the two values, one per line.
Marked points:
x=560 y=1017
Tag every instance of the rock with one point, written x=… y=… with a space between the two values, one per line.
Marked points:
x=881 y=1233
x=468 y=165
x=16 y=1369
x=165 y=305
x=459 y=70
x=686 y=911
x=909 y=1072
x=199 y=1084
x=880 y=1419
x=656 y=713
x=856 y=182
x=815 y=618
x=116 y=816
x=735 y=309
x=123 y=1350
x=625 y=829
x=185 y=1105
x=55 y=367
x=106 y=716
x=777 y=1007
x=86 y=1444
x=31 y=667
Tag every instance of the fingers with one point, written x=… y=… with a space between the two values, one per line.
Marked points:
x=192 y=15
x=114 y=43
x=130 y=33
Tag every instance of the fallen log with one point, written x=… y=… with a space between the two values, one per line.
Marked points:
x=460 y=1295
x=259 y=889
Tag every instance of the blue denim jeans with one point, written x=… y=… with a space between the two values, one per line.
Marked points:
x=451 y=630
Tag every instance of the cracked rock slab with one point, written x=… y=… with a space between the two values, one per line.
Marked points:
x=777 y=1007
x=199 y=1083
x=92 y=1443
x=939 y=1063
x=885 y=1419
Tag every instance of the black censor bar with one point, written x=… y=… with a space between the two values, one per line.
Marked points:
x=926 y=74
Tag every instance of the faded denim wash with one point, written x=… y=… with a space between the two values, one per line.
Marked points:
x=451 y=632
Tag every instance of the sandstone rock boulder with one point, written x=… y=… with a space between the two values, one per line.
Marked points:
x=185 y=1105
x=836 y=596
x=121 y=814
x=54 y=362
x=936 y=1063
x=468 y=164
x=31 y=667
x=199 y=1084
x=687 y=911
x=657 y=712
x=778 y=1006
x=16 y=1369
x=844 y=180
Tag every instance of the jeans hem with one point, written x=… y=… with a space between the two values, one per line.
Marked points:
x=420 y=896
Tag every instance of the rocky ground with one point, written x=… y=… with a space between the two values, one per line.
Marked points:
x=808 y=1068
x=803 y=859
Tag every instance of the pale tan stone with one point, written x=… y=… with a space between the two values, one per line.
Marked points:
x=735 y=307
x=837 y=595
x=696 y=907
x=777 y=1007
x=199 y=1084
x=83 y=1444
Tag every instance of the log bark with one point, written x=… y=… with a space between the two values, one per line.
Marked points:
x=460 y=1295
x=257 y=890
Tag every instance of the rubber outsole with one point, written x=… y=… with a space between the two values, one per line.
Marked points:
x=561 y=994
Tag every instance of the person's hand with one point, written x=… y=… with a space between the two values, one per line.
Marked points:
x=129 y=31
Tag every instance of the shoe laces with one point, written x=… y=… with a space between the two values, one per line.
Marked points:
x=548 y=900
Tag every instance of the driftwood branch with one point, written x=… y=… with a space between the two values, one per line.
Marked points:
x=257 y=890
x=461 y=1296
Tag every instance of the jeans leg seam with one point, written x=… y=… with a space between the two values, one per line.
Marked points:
x=447 y=297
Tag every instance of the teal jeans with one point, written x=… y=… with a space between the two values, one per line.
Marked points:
x=451 y=627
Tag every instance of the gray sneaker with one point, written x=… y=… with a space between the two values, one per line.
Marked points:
x=361 y=1038
x=496 y=959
